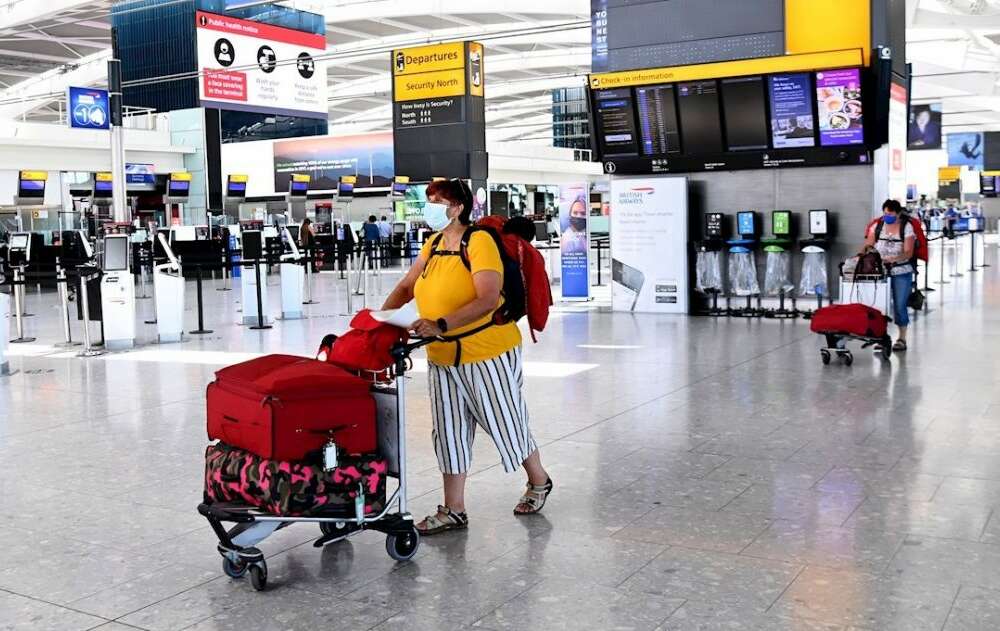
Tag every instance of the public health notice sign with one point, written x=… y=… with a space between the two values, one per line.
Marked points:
x=649 y=260
x=574 y=242
x=254 y=67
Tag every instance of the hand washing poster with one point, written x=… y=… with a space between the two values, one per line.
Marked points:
x=574 y=211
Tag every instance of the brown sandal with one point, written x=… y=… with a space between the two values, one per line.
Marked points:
x=534 y=498
x=452 y=521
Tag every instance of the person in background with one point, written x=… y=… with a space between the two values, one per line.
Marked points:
x=385 y=229
x=371 y=235
x=307 y=235
x=478 y=380
x=522 y=227
x=895 y=242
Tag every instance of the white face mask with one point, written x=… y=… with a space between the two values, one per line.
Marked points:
x=436 y=216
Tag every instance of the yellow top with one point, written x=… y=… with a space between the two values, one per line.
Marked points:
x=446 y=285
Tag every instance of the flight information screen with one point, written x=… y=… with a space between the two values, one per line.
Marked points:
x=745 y=111
x=658 y=120
x=615 y=122
x=701 y=126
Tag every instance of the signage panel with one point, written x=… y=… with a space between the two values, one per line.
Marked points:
x=255 y=67
x=430 y=85
x=88 y=108
x=422 y=59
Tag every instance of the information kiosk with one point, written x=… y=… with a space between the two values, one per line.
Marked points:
x=252 y=282
x=292 y=280
x=117 y=294
x=19 y=256
x=168 y=284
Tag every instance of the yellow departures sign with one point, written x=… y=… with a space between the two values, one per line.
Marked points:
x=431 y=72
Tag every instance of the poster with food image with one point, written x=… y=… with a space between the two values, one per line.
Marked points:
x=838 y=96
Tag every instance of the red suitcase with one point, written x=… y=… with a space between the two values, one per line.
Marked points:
x=281 y=407
x=853 y=319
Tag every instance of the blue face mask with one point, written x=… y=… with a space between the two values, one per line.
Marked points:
x=889 y=219
x=436 y=216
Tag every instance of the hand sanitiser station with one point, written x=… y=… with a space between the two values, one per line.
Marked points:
x=292 y=279
x=168 y=282
x=118 y=294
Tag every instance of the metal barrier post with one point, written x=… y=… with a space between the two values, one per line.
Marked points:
x=18 y=306
x=201 y=330
x=88 y=350
x=955 y=272
x=261 y=325
x=972 y=252
x=942 y=281
x=309 y=278
x=64 y=302
x=350 y=307
x=226 y=272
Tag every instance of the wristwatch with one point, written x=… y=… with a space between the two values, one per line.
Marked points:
x=442 y=324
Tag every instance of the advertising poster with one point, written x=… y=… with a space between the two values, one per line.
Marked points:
x=327 y=158
x=792 y=122
x=649 y=232
x=254 y=67
x=966 y=149
x=574 y=211
x=925 y=127
x=898 y=116
x=838 y=97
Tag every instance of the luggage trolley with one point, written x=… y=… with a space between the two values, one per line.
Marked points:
x=237 y=545
x=872 y=290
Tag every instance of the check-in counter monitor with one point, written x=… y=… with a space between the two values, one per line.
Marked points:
x=116 y=253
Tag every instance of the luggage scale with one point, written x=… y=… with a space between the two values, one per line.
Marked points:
x=237 y=545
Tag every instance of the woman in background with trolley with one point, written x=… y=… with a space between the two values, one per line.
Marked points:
x=893 y=238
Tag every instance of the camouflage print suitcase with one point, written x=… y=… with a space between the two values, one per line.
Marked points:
x=294 y=489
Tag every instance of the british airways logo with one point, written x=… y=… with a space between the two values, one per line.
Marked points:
x=636 y=195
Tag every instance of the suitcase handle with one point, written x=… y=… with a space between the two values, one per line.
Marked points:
x=326 y=432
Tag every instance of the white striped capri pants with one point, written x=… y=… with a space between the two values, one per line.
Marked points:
x=487 y=393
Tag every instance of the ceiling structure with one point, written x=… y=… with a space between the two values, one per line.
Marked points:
x=532 y=48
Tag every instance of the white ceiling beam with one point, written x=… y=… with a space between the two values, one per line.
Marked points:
x=349 y=12
x=44 y=37
x=20 y=54
x=88 y=71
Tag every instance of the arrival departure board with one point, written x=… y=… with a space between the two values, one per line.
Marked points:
x=658 y=120
x=745 y=113
x=616 y=122
x=701 y=125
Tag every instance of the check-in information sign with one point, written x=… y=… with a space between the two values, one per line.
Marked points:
x=255 y=67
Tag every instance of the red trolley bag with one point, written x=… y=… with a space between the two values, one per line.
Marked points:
x=282 y=407
x=852 y=319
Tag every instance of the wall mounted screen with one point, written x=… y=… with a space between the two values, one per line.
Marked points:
x=745 y=112
x=701 y=126
x=658 y=120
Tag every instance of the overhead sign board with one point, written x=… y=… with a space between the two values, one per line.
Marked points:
x=423 y=59
x=742 y=68
x=180 y=176
x=35 y=176
x=254 y=67
x=88 y=108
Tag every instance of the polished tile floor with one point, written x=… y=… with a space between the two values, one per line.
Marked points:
x=710 y=474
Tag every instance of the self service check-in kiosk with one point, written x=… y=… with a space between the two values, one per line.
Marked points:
x=117 y=294
x=19 y=252
x=292 y=280
x=168 y=284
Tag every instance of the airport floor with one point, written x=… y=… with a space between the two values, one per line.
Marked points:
x=709 y=474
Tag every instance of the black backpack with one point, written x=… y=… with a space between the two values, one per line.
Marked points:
x=514 y=305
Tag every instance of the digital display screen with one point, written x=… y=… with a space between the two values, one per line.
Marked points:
x=745 y=113
x=300 y=187
x=345 y=190
x=701 y=126
x=19 y=242
x=115 y=254
x=818 y=222
x=253 y=244
x=100 y=185
x=238 y=187
x=838 y=100
x=781 y=223
x=713 y=225
x=31 y=188
x=615 y=123
x=658 y=120
x=399 y=189
x=178 y=187
x=792 y=120
x=988 y=184
x=746 y=223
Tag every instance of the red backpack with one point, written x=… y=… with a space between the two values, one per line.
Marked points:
x=367 y=347
x=920 y=244
x=523 y=263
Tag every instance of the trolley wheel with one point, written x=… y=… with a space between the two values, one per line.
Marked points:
x=825 y=354
x=848 y=358
x=403 y=546
x=331 y=528
x=258 y=575
x=233 y=570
